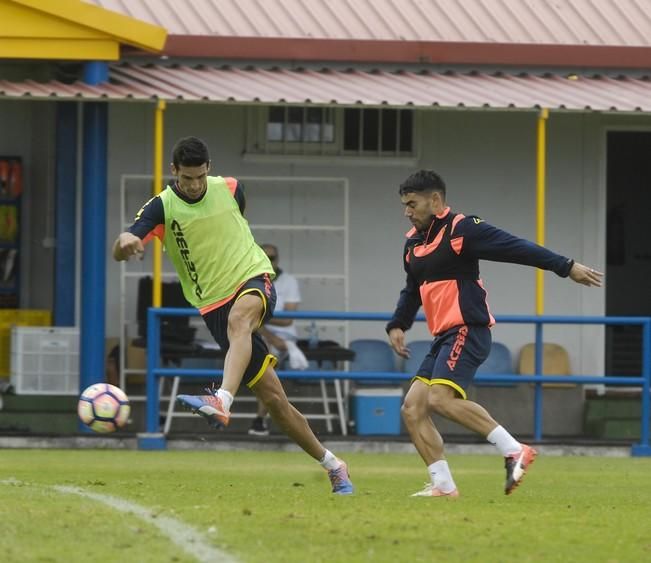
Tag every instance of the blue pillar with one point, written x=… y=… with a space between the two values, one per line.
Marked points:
x=66 y=212
x=93 y=251
x=96 y=72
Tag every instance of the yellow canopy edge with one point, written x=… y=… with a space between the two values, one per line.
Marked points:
x=71 y=29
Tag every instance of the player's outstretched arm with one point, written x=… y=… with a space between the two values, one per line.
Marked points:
x=126 y=246
x=586 y=276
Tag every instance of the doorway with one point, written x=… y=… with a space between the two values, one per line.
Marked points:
x=628 y=245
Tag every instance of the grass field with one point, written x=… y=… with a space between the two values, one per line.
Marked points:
x=276 y=507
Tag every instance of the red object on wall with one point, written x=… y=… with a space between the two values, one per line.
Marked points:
x=4 y=177
x=15 y=179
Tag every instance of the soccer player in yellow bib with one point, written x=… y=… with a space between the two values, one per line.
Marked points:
x=228 y=277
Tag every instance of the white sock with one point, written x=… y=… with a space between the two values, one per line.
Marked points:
x=441 y=477
x=226 y=398
x=329 y=461
x=504 y=442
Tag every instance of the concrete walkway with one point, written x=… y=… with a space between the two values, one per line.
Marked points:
x=278 y=443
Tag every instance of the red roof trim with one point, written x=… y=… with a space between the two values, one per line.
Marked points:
x=355 y=51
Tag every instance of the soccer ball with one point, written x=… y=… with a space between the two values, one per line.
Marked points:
x=103 y=408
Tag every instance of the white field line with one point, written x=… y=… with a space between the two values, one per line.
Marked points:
x=184 y=536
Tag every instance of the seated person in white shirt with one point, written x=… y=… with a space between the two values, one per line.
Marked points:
x=280 y=333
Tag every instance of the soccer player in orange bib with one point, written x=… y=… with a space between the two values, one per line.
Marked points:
x=441 y=258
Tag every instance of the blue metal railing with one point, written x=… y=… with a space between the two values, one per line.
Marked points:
x=154 y=371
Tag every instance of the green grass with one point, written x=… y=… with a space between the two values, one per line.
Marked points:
x=276 y=507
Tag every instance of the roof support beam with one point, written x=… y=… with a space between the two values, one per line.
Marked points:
x=93 y=248
x=541 y=154
x=159 y=128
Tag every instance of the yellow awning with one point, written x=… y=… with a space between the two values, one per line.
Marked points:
x=72 y=30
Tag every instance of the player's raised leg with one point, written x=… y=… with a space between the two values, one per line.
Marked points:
x=245 y=318
x=234 y=327
x=269 y=390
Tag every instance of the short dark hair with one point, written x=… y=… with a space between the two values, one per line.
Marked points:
x=190 y=151
x=423 y=181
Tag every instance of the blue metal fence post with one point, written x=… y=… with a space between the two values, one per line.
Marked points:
x=153 y=439
x=643 y=448
x=153 y=344
x=538 y=369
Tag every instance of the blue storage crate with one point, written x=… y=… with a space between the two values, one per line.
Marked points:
x=377 y=410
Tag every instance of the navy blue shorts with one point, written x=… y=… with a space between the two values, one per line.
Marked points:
x=455 y=356
x=217 y=322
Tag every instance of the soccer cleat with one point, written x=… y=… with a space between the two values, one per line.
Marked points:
x=209 y=406
x=431 y=491
x=258 y=427
x=516 y=466
x=341 y=483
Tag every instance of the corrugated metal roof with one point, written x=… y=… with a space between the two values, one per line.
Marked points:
x=557 y=22
x=353 y=87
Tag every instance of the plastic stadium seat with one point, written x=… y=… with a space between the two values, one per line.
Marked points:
x=418 y=350
x=372 y=355
x=556 y=360
x=499 y=362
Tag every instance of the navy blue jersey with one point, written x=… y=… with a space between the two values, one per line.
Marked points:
x=442 y=267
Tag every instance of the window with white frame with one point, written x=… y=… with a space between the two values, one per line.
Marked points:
x=314 y=130
x=300 y=125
